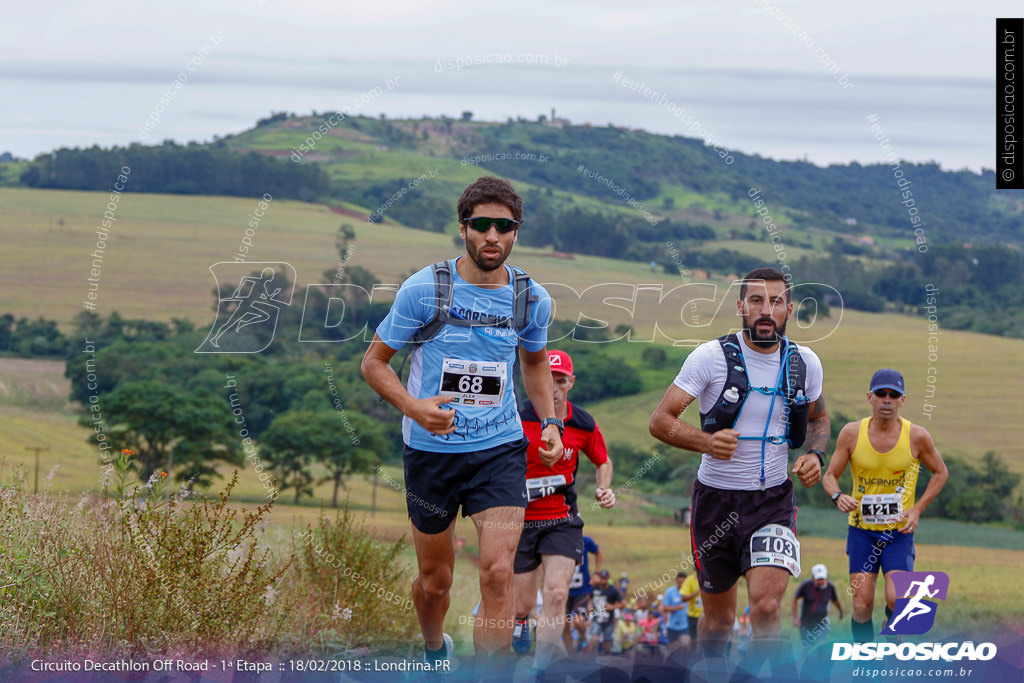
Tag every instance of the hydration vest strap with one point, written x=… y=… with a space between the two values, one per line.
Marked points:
x=790 y=385
x=444 y=293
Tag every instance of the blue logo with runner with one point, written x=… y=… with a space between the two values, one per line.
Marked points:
x=915 y=611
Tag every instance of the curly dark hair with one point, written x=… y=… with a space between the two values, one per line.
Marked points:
x=487 y=190
x=767 y=274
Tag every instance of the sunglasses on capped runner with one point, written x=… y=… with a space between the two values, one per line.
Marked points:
x=887 y=393
x=483 y=224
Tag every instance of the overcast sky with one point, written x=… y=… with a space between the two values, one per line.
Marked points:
x=107 y=56
x=914 y=37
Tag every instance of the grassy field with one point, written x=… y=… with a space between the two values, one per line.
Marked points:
x=985 y=582
x=985 y=592
x=155 y=265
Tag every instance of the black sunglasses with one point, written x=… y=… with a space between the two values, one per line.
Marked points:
x=883 y=393
x=483 y=224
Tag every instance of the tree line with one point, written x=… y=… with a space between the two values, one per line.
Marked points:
x=300 y=411
x=177 y=169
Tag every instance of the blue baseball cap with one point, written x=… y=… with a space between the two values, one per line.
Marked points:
x=887 y=379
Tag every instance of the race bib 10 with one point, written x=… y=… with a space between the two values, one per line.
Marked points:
x=540 y=487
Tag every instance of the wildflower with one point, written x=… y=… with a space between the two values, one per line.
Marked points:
x=343 y=614
x=269 y=595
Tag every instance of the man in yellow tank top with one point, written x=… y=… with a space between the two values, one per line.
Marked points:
x=885 y=453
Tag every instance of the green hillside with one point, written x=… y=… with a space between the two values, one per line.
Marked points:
x=156 y=267
x=863 y=231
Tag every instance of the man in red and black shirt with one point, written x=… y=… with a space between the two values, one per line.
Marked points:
x=553 y=531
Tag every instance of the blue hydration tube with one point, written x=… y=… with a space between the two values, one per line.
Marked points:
x=768 y=391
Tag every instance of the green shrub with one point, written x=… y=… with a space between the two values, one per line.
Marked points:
x=147 y=575
x=356 y=591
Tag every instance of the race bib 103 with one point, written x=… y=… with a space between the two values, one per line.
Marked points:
x=775 y=546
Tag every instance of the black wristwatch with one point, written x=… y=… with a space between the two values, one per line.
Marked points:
x=553 y=421
x=835 y=498
x=821 y=456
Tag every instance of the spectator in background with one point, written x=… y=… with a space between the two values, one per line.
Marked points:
x=579 y=595
x=674 y=608
x=604 y=600
x=817 y=593
x=625 y=632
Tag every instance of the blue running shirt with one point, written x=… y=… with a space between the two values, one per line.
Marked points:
x=471 y=364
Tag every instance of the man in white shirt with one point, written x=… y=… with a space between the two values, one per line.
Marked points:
x=743 y=512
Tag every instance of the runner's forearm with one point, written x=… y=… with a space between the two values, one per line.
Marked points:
x=538 y=386
x=604 y=475
x=382 y=379
x=818 y=432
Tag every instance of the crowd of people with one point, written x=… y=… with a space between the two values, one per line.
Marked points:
x=606 y=621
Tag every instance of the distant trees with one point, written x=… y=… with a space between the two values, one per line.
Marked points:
x=31 y=338
x=273 y=118
x=158 y=421
x=339 y=442
x=177 y=169
x=598 y=376
x=975 y=492
x=188 y=413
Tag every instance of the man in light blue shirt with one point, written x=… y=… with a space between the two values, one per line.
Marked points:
x=674 y=608
x=464 y=443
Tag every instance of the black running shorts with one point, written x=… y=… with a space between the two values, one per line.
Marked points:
x=549 y=537
x=722 y=522
x=438 y=483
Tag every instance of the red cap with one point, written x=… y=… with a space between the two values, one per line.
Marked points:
x=560 y=362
